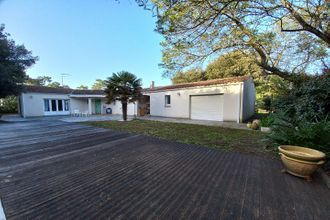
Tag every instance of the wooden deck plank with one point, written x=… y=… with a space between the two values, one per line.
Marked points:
x=57 y=170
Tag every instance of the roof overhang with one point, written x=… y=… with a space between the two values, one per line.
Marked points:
x=200 y=84
x=86 y=96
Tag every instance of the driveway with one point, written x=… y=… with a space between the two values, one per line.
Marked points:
x=58 y=170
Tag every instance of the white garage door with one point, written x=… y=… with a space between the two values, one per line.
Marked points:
x=207 y=107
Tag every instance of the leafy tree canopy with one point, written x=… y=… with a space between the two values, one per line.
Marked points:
x=232 y=64
x=14 y=60
x=192 y=75
x=285 y=37
x=43 y=81
x=39 y=81
x=99 y=84
x=82 y=87
x=56 y=85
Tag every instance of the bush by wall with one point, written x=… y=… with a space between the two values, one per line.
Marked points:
x=9 y=105
x=301 y=117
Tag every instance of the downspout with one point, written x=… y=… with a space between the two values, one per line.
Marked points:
x=19 y=105
x=242 y=101
x=240 y=104
x=22 y=106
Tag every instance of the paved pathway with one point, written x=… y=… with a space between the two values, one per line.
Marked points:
x=57 y=170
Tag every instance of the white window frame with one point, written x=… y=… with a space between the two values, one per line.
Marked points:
x=66 y=101
x=56 y=112
x=49 y=108
x=167 y=98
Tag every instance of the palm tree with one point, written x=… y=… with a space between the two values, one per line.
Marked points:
x=125 y=87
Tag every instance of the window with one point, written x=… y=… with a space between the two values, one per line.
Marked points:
x=46 y=105
x=59 y=105
x=66 y=105
x=167 y=100
x=53 y=105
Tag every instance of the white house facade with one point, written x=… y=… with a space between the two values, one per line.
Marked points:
x=45 y=101
x=229 y=99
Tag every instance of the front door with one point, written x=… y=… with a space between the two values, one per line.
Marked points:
x=97 y=106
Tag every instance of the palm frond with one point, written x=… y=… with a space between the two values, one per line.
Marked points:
x=123 y=86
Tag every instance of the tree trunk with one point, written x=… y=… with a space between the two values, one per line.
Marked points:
x=253 y=42
x=305 y=25
x=124 y=108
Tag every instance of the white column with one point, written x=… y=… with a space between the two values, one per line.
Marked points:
x=89 y=106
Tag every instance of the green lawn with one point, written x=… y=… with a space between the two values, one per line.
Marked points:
x=208 y=136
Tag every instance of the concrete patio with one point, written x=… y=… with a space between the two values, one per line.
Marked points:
x=112 y=117
x=58 y=170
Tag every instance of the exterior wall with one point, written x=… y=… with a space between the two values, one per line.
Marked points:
x=33 y=103
x=249 y=99
x=180 y=101
x=80 y=104
x=103 y=106
x=117 y=109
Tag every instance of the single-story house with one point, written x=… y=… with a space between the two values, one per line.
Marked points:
x=228 y=99
x=46 y=101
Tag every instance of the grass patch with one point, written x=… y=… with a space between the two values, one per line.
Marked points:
x=209 y=136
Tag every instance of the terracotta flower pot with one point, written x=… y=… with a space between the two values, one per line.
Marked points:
x=301 y=161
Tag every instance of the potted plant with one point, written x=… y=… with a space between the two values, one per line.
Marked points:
x=266 y=123
x=301 y=161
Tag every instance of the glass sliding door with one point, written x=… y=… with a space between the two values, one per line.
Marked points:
x=46 y=105
x=53 y=104
x=56 y=107
x=60 y=105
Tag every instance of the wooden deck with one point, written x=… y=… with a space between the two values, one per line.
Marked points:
x=57 y=170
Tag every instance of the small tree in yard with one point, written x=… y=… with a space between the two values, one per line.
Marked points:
x=14 y=60
x=124 y=87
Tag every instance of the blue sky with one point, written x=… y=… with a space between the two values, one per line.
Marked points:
x=86 y=39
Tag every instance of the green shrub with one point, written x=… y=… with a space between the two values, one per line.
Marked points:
x=266 y=103
x=8 y=105
x=302 y=116
x=307 y=101
x=267 y=122
x=286 y=131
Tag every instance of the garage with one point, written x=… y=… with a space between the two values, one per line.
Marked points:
x=206 y=107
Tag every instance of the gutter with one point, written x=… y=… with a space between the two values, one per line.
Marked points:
x=192 y=87
x=86 y=96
